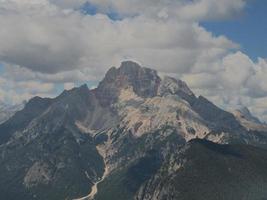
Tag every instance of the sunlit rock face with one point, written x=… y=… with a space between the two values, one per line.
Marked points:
x=144 y=82
x=249 y=121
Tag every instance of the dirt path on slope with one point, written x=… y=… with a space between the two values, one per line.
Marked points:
x=94 y=187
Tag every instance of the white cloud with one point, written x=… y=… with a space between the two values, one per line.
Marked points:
x=211 y=9
x=35 y=87
x=259 y=107
x=47 y=42
x=68 y=4
x=19 y=94
x=18 y=73
x=237 y=68
x=183 y=9
x=68 y=86
x=17 y=87
x=238 y=81
x=76 y=41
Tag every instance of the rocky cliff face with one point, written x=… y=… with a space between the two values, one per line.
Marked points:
x=130 y=126
x=144 y=82
x=250 y=122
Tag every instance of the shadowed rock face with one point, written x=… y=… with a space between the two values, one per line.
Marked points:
x=46 y=156
x=144 y=81
x=132 y=124
x=224 y=121
x=22 y=118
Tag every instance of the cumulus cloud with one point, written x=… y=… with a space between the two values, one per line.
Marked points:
x=190 y=10
x=68 y=4
x=210 y=9
x=18 y=73
x=75 y=40
x=237 y=81
x=68 y=86
x=15 y=92
x=44 y=43
x=237 y=68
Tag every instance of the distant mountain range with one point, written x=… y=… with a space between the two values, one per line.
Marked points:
x=249 y=121
x=137 y=136
x=7 y=111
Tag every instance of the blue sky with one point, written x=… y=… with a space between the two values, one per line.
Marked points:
x=249 y=29
x=91 y=9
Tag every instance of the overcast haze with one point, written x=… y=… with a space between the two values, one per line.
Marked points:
x=49 y=45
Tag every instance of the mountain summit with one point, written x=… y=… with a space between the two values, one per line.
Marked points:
x=144 y=82
x=117 y=140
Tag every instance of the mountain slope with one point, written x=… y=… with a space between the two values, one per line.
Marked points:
x=48 y=157
x=136 y=161
x=247 y=120
x=22 y=118
x=204 y=170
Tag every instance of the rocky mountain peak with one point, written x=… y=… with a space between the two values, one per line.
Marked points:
x=132 y=74
x=250 y=122
x=83 y=89
x=129 y=67
x=245 y=113
x=144 y=82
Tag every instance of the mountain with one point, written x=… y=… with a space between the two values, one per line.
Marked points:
x=250 y=122
x=44 y=155
x=115 y=141
x=7 y=111
x=246 y=114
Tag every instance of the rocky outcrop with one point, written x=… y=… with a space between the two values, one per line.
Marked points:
x=174 y=86
x=250 y=122
x=39 y=173
x=144 y=82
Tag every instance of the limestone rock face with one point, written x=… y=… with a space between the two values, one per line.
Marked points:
x=144 y=82
x=250 y=122
x=173 y=86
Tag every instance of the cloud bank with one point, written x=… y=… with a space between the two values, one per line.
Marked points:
x=45 y=43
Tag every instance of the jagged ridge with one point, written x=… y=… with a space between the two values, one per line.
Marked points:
x=133 y=117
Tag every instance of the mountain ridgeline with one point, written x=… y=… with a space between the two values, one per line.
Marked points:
x=137 y=136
